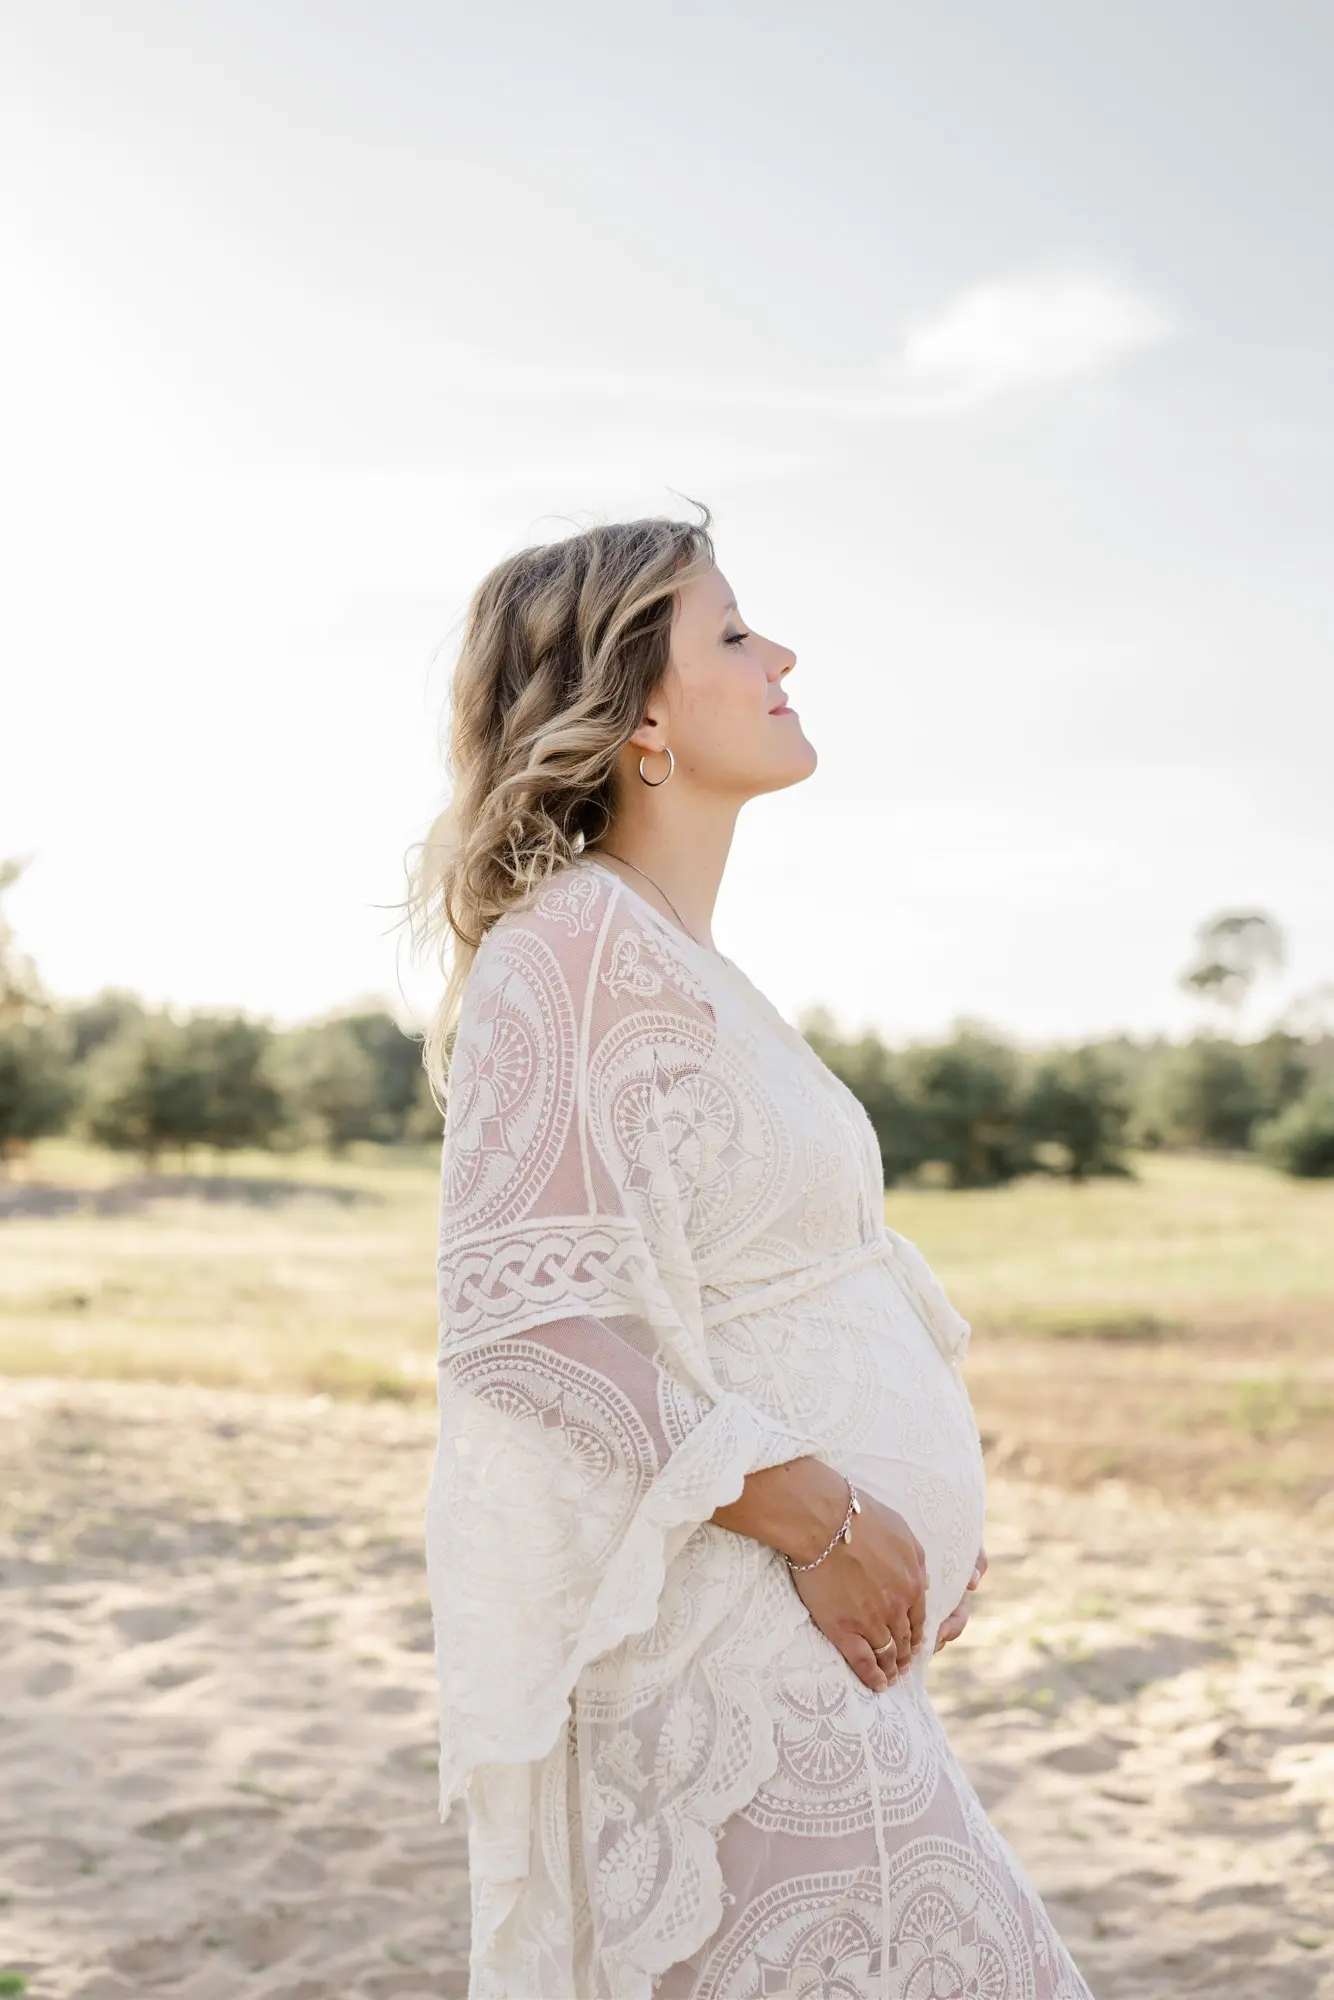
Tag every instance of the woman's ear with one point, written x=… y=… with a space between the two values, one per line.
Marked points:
x=649 y=736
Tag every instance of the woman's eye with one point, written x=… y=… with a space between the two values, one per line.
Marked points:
x=735 y=638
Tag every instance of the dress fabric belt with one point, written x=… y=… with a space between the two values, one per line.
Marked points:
x=915 y=1278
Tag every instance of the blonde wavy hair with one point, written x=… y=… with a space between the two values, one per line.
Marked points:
x=563 y=647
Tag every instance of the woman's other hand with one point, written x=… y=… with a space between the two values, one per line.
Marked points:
x=869 y=1596
x=951 y=1627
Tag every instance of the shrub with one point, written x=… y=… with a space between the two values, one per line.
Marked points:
x=1300 y=1141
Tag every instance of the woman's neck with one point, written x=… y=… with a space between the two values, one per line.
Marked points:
x=679 y=877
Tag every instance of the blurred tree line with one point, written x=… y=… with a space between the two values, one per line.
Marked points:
x=970 y=1111
x=149 y=1082
x=974 y=1111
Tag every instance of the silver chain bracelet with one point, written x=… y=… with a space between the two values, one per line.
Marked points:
x=844 y=1534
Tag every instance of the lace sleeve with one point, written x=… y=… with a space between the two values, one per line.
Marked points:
x=583 y=1437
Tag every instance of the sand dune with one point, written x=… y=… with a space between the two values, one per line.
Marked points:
x=218 y=1722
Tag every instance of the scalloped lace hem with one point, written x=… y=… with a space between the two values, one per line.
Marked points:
x=772 y=1617
x=706 y=1472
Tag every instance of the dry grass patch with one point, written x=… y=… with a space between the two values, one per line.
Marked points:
x=294 y=1291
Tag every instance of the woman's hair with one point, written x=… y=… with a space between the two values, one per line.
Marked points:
x=562 y=650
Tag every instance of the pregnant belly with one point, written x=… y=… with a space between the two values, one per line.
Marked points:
x=856 y=1370
x=923 y=1458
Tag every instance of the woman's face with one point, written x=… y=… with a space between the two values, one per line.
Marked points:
x=722 y=706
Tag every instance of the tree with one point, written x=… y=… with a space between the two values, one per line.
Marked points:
x=1078 y=1100
x=1231 y=951
x=872 y=1073
x=1281 y=1068
x=93 y=1023
x=967 y=1095
x=425 y=1122
x=21 y=995
x=332 y=1085
x=37 y=1090
x=242 y=1104
x=1208 y=1095
x=165 y=1084
x=144 y=1093
x=964 y=1104
x=397 y=1059
x=356 y=1076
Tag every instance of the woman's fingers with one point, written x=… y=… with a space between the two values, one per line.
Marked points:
x=979 y=1569
x=951 y=1627
x=861 y=1658
x=900 y=1632
x=917 y=1620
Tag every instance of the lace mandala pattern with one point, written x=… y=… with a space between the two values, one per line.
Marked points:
x=664 y=1265
x=511 y=1094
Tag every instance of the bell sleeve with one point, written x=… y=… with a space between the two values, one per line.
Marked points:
x=582 y=1436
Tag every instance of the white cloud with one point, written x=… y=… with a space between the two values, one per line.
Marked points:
x=1009 y=334
x=1019 y=332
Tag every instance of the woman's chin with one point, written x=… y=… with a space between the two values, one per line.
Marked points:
x=807 y=758
x=799 y=763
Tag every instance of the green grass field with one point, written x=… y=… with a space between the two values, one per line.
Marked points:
x=1190 y=1240
x=1175 y=1329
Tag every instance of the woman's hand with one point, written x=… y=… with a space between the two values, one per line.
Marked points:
x=869 y=1596
x=951 y=1627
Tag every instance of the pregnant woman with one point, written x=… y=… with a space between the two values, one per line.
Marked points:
x=708 y=1493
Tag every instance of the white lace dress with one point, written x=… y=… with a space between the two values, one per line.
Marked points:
x=663 y=1265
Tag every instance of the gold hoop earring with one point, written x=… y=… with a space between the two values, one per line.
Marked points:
x=653 y=783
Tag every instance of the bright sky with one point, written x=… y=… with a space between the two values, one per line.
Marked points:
x=998 y=339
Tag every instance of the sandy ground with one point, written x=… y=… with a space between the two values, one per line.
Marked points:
x=217 y=1747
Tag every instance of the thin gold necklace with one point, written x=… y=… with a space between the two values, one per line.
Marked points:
x=662 y=892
